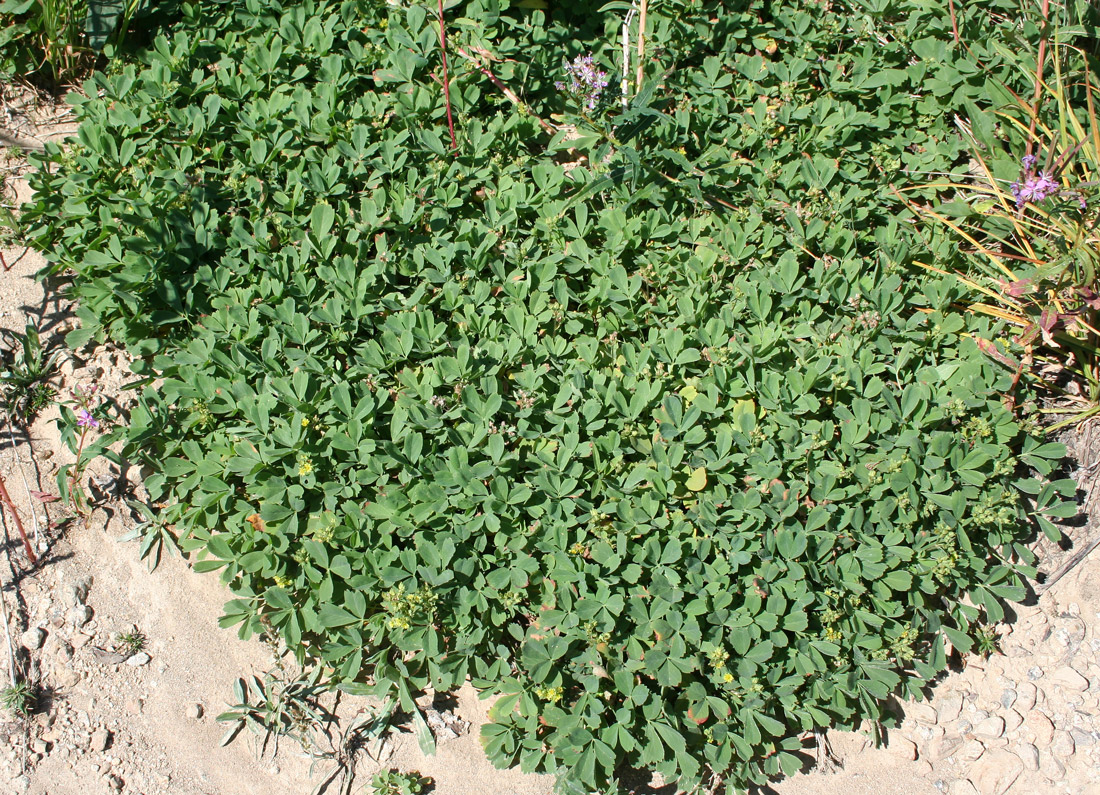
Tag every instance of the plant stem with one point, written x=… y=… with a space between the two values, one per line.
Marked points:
x=74 y=476
x=7 y=634
x=509 y=93
x=640 y=73
x=1038 y=95
x=6 y=499
x=446 y=78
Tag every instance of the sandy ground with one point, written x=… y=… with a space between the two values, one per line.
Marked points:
x=109 y=726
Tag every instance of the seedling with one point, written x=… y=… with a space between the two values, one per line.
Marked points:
x=19 y=699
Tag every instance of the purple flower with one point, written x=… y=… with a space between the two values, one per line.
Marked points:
x=1035 y=188
x=1029 y=162
x=84 y=419
x=586 y=82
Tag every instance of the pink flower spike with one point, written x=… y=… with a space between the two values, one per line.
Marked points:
x=84 y=419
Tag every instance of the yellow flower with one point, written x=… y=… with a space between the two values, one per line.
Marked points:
x=727 y=677
x=305 y=422
x=551 y=694
x=305 y=465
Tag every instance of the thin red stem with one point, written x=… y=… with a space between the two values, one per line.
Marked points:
x=18 y=522
x=446 y=78
x=1037 y=96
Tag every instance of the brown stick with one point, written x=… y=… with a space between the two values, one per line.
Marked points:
x=6 y=499
x=1038 y=78
x=639 y=72
x=954 y=22
x=446 y=79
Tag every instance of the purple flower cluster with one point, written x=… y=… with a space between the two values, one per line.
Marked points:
x=586 y=82
x=1033 y=186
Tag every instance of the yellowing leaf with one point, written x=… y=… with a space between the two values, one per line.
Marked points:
x=697 y=480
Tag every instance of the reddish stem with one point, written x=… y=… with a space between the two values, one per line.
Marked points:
x=446 y=78
x=1038 y=78
x=6 y=499
x=74 y=476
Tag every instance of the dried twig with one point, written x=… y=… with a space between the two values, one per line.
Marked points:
x=6 y=499
x=625 y=83
x=1077 y=559
x=7 y=636
x=639 y=74
x=26 y=485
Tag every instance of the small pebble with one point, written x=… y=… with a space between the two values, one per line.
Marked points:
x=33 y=638
x=139 y=659
x=1062 y=744
x=99 y=740
x=194 y=712
x=1029 y=755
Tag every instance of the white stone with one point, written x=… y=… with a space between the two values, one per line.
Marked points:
x=995 y=772
x=922 y=712
x=971 y=751
x=1029 y=755
x=949 y=707
x=33 y=638
x=990 y=728
x=1050 y=767
x=1068 y=679
x=1062 y=744
x=1041 y=728
x=1025 y=696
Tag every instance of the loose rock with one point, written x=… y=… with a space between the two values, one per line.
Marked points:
x=944 y=747
x=139 y=659
x=1041 y=727
x=1068 y=679
x=1008 y=698
x=995 y=772
x=1082 y=738
x=78 y=591
x=99 y=740
x=1029 y=755
x=922 y=713
x=80 y=615
x=971 y=751
x=33 y=638
x=1025 y=696
x=990 y=728
x=194 y=711
x=950 y=707
x=1050 y=767
x=1062 y=744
